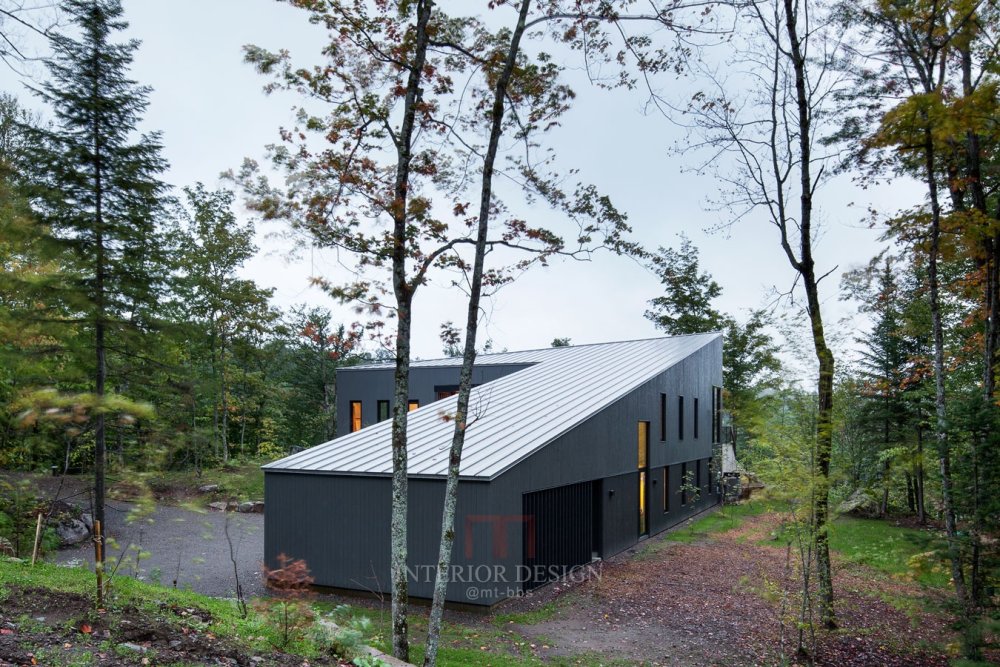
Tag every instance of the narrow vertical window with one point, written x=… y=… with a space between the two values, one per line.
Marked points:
x=412 y=405
x=383 y=410
x=643 y=466
x=697 y=474
x=355 y=416
x=666 y=489
x=716 y=414
x=643 y=445
x=663 y=417
x=684 y=474
x=680 y=417
x=695 y=425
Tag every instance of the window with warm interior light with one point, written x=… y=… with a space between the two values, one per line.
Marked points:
x=355 y=416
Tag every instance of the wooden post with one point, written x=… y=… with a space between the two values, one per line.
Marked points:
x=99 y=562
x=38 y=537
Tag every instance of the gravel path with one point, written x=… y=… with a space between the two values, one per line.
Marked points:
x=185 y=545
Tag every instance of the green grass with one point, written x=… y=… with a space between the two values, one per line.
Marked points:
x=724 y=518
x=543 y=613
x=894 y=550
x=256 y=633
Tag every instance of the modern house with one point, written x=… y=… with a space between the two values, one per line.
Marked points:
x=572 y=454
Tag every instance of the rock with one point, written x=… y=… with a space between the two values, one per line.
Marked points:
x=251 y=507
x=862 y=501
x=72 y=531
x=222 y=506
x=208 y=488
x=88 y=520
x=134 y=647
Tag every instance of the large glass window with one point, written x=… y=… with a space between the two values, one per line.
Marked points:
x=383 y=410
x=355 y=416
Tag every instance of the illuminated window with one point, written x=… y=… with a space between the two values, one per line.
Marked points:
x=643 y=461
x=383 y=410
x=355 y=416
x=412 y=405
x=643 y=445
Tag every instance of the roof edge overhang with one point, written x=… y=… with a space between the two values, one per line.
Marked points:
x=342 y=473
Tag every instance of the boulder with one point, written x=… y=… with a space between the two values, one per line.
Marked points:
x=251 y=507
x=862 y=502
x=88 y=520
x=222 y=506
x=72 y=531
x=208 y=488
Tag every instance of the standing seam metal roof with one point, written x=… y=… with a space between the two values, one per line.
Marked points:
x=511 y=417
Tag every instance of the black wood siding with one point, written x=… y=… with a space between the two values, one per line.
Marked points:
x=557 y=533
x=340 y=525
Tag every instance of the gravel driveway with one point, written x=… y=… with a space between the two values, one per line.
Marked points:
x=183 y=545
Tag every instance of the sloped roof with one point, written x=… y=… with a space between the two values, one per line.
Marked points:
x=511 y=417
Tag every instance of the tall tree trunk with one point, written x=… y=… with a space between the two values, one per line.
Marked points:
x=100 y=447
x=806 y=268
x=224 y=399
x=469 y=354
x=329 y=404
x=403 y=292
x=919 y=490
x=940 y=422
x=911 y=493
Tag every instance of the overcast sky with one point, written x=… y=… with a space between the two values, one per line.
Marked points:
x=212 y=113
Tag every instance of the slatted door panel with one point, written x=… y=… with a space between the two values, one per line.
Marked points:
x=558 y=532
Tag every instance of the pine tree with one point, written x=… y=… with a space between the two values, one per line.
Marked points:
x=100 y=191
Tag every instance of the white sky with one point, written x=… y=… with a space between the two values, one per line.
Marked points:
x=210 y=108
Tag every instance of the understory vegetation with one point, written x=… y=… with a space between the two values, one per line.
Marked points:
x=885 y=569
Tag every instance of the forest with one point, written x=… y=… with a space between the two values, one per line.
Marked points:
x=132 y=338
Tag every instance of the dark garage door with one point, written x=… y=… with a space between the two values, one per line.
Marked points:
x=559 y=532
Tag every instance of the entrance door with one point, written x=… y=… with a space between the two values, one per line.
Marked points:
x=643 y=456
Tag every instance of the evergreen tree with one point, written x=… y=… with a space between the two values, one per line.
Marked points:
x=749 y=356
x=100 y=191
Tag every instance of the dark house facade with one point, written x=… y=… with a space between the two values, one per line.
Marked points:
x=572 y=454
